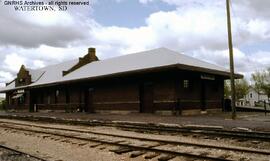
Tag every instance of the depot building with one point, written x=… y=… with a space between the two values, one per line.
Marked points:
x=154 y=81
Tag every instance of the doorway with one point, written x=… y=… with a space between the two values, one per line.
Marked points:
x=203 y=95
x=88 y=100
x=146 y=98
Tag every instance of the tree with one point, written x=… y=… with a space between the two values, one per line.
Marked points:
x=258 y=79
x=241 y=88
x=227 y=89
x=262 y=82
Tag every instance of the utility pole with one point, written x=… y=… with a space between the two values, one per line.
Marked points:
x=231 y=58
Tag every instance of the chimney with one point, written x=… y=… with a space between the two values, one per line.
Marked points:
x=88 y=58
x=92 y=54
x=92 y=50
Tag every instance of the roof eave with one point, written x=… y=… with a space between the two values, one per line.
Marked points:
x=16 y=88
x=207 y=70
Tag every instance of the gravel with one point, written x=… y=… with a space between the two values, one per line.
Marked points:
x=9 y=155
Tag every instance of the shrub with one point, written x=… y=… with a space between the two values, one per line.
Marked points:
x=3 y=105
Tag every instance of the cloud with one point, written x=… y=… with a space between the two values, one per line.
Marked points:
x=259 y=28
x=244 y=63
x=38 y=64
x=253 y=9
x=180 y=29
x=184 y=29
x=13 y=62
x=199 y=28
x=32 y=29
x=5 y=76
x=181 y=3
x=189 y=28
x=145 y=1
x=36 y=58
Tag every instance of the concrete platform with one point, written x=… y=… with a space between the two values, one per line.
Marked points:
x=254 y=121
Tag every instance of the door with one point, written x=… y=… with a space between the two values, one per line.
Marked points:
x=146 y=98
x=32 y=101
x=203 y=95
x=88 y=96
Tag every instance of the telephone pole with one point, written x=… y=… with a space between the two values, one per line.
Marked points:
x=231 y=58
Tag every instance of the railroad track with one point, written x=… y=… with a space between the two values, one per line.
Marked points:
x=152 y=128
x=19 y=154
x=142 y=145
x=265 y=136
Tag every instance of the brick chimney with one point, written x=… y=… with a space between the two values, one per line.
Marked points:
x=88 y=58
x=92 y=54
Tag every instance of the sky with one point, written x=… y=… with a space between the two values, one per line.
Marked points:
x=197 y=28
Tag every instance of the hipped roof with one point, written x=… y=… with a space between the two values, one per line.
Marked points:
x=141 y=61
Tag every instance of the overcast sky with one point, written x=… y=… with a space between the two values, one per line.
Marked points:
x=116 y=27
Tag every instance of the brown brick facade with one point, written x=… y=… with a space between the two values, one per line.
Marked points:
x=151 y=92
x=23 y=77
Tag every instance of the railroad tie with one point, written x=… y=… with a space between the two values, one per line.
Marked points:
x=166 y=157
x=82 y=144
x=95 y=145
x=151 y=155
x=102 y=148
x=119 y=141
x=224 y=156
x=121 y=150
x=136 y=154
x=204 y=154
x=45 y=136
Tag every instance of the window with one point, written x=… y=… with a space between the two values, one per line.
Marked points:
x=56 y=96
x=250 y=95
x=57 y=93
x=21 y=80
x=21 y=100
x=49 y=99
x=186 y=83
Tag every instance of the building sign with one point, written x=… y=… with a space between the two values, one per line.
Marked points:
x=20 y=91
x=207 y=77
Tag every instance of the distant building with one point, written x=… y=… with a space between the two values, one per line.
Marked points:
x=252 y=98
x=152 y=81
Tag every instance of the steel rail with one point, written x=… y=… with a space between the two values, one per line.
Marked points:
x=226 y=133
x=151 y=127
x=174 y=142
x=133 y=147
